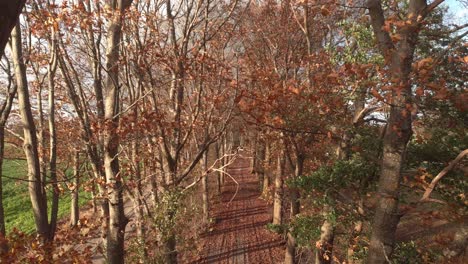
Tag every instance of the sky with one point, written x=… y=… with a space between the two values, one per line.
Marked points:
x=458 y=10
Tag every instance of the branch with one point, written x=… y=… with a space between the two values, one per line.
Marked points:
x=441 y=174
x=360 y=116
x=432 y=6
x=212 y=168
x=14 y=133
x=378 y=21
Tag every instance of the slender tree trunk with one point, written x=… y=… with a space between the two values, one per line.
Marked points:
x=295 y=195
x=117 y=218
x=205 y=188
x=295 y=209
x=3 y=242
x=278 y=199
x=4 y=114
x=36 y=189
x=53 y=139
x=218 y=174
x=92 y=148
x=266 y=170
x=138 y=199
x=75 y=210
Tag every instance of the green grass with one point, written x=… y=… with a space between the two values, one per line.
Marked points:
x=16 y=202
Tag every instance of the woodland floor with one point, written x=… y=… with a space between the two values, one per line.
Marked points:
x=238 y=234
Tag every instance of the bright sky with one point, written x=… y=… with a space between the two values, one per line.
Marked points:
x=458 y=10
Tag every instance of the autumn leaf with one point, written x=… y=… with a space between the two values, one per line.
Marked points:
x=324 y=11
x=419 y=91
x=376 y=94
x=294 y=90
x=396 y=37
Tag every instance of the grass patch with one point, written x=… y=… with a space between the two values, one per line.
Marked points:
x=16 y=202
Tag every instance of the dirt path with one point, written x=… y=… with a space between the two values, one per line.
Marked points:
x=238 y=234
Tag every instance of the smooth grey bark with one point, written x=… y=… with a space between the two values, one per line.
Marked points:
x=52 y=68
x=30 y=144
x=75 y=210
x=117 y=218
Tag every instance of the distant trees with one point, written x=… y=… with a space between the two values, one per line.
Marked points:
x=151 y=97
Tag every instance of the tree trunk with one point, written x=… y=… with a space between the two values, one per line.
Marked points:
x=295 y=195
x=36 y=189
x=218 y=174
x=205 y=188
x=138 y=199
x=398 y=130
x=117 y=218
x=290 y=255
x=4 y=114
x=53 y=138
x=75 y=210
x=266 y=162
x=278 y=200
x=295 y=209
x=3 y=242
x=171 y=254
x=325 y=244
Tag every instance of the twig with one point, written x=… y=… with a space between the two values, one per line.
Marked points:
x=211 y=168
x=237 y=184
x=385 y=254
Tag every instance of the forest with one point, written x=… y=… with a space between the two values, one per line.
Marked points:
x=233 y=131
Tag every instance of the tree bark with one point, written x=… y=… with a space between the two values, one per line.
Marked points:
x=295 y=209
x=53 y=138
x=290 y=255
x=278 y=199
x=266 y=162
x=398 y=131
x=138 y=199
x=117 y=218
x=324 y=248
x=4 y=114
x=36 y=188
x=75 y=210
x=205 y=188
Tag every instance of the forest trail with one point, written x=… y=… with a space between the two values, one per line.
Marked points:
x=238 y=234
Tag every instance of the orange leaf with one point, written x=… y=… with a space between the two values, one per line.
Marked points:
x=419 y=91
x=324 y=11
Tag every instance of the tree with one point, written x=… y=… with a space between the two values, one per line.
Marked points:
x=5 y=109
x=117 y=218
x=398 y=50
x=30 y=144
